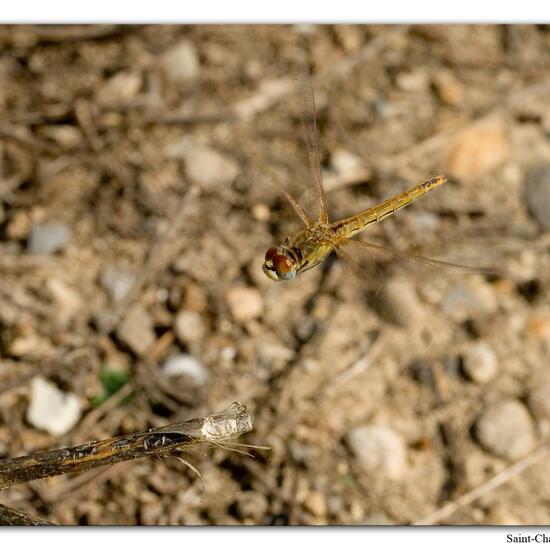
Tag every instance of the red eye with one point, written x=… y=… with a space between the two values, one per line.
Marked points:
x=270 y=254
x=282 y=264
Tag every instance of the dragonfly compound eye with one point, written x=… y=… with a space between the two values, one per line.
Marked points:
x=284 y=266
x=270 y=254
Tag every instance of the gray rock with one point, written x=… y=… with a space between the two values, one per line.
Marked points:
x=185 y=365
x=379 y=450
x=136 y=330
x=181 y=62
x=480 y=363
x=506 y=430
x=116 y=281
x=397 y=302
x=52 y=410
x=537 y=194
x=48 y=238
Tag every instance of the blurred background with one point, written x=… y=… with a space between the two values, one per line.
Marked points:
x=137 y=203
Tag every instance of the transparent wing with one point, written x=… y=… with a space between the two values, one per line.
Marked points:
x=361 y=253
x=308 y=114
x=388 y=289
x=256 y=157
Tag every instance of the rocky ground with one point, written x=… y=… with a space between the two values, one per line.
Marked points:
x=137 y=202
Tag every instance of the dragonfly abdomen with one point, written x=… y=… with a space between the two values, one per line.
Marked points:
x=354 y=224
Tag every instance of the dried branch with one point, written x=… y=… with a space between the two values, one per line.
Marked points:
x=485 y=488
x=232 y=422
x=10 y=516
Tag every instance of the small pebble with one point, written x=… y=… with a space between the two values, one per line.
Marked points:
x=19 y=225
x=261 y=212
x=52 y=410
x=48 y=238
x=120 y=90
x=67 y=300
x=480 y=363
x=412 y=81
x=477 y=150
x=397 y=302
x=185 y=365
x=506 y=430
x=539 y=398
x=537 y=194
x=189 y=327
x=181 y=62
x=316 y=504
x=448 y=88
x=379 y=450
x=538 y=325
x=136 y=330
x=245 y=303
x=116 y=281
x=209 y=168
x=462 y=302
x=66 y=135
x=345 y=162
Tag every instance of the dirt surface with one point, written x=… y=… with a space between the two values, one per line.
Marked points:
x=136 y=205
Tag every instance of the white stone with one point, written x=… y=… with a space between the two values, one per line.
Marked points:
x=120 y=90
x=51 y=409
x=181 y=62
x=185 y=365
x=480 y=363
x=189 y=327
x=379 y=450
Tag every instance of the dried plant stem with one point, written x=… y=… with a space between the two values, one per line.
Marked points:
x=485 y=488
x=215 y=428
x=10 y=516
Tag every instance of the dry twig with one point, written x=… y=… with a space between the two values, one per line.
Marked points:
x=485 y=488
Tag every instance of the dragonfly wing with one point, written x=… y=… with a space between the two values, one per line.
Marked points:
x=361 y=253
x=255 y=158
x=390 y=294
x=308 y=115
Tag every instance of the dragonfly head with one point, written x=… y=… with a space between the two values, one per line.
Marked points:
x=278 y=265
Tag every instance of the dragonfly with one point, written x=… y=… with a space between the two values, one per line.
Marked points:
x=313 y=244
